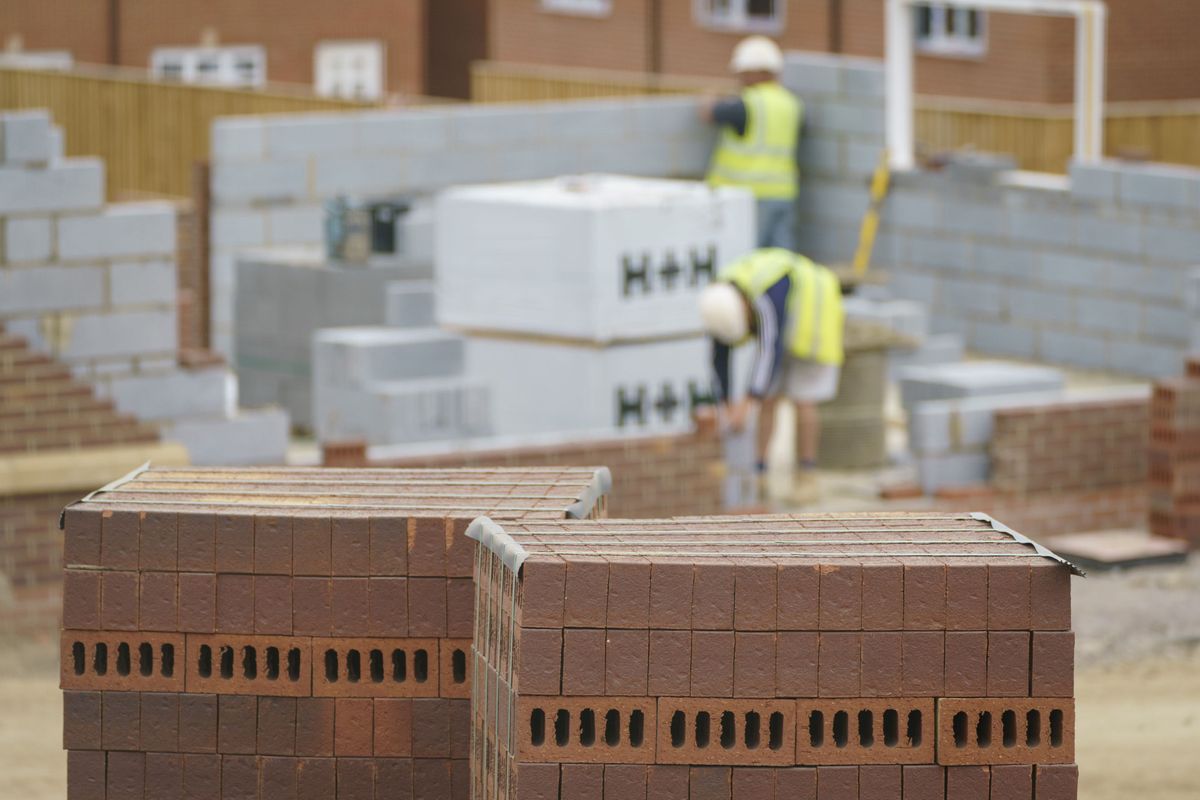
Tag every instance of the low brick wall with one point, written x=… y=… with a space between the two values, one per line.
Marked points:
x=1043 y=514
x=653 y=477
x=31 y=550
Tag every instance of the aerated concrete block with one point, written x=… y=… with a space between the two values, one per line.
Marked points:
x=259 y=181
x=75 y=184
x=238 y=138
x=1160 y=185
x=942 y=348
x=119 y=231
x=410 y=304
x=250 y=438
x=363 y=356
x=174 y=394
x=27 y=290
x=25 y=137
x=27 y=239
x=809 y=74
x=907 y=317
x=144 y=283
x=140 y=333
x=958 y=469
x=1003 y=339
x=1061 y=347
x=973 y=379
x=596 y=258
x=311 y=134
x=438 y=409
x=402 y=131
x=1095 y=181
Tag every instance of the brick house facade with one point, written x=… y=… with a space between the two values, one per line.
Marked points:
x=1152 y=55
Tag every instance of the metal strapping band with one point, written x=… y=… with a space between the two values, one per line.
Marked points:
x=1043 y=551
x=124 y=479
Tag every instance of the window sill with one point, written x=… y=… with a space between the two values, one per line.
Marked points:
x=953 y=53
x=597 y=10
x=771 y=27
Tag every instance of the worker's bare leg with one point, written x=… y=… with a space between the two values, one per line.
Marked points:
x=766 y=427
x=808 y=434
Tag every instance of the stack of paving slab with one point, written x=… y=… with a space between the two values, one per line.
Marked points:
x=950 y=411
x=304 y=631
x=94 y=286
x=920 y=656
x=286 y=295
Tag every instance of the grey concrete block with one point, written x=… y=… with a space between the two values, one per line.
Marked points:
x=957 y=469
x=134 y=333
x=236 y=227
x=536 y=161
x=307 y=135
x=417 y=130
x=1173 y=244
x=1006 y=262
x=27 y=239
x=974 y=379
x=903 y=316
x=250 y=438
x=143 y=283
x=936 y=253
x=496 y=125
x=1160 y=185
x=914 y=286
x=359 y=176
x=835 y=202
x=50 y=288
x=861 y=119
x=25 y=137
x=399 y=413
x=862 y=77
x=1151 y=283
x=913 y=209
x=175 y=394
x=1041 y=305
x=593 y=120
x=128 y=229
x=1059 y=347
x=820 y=157
x=1043 y=227
x=297 y=224
x=972 y=297
x=238 y=139
x=1173 y=325
x=941 y=348
x=809 y=74
x=363 y=356
x=259 y=181
x=1147 y=360
x=1071 y=270
x=690 y=155
x=410 y=304
x=860 y=159
x=1101 y=314
x=963 y=216
x=75 y=184
x=1191 y=291
x=649 y=118
x=1003 y=339
x=58 y=144
x=1095 y=181
x=1108 y=232
x=439 y=170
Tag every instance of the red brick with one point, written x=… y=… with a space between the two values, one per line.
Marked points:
x=841 y=598
x=119 y=538
x=460 y=728
x=836 y=731
x=460 y=608
x=880 y=782
x=626 y=662
x=840 y=663
x=239 y=778
x=1052 y=672
x=119 y=601
x=1012 y=782
x=81 y=540
x=356 y=778
x=1016 y=730
x=883 y=597
x=671 y=595
x=625 y=782
x=1056 y=782
x=312 y=611
x=388 y=546
x=393 y=726
x=755 y=597
x=924 y=667
x=198 y=723
x=967 y=597
x=86 y=775
x=159 y=543
x=278 y=777
x=796 y=783
x=121 y=716
x=925 y=597
x=316 y=779
x=754 y=783
x=667 y=782
x=197 y=602
x=710 y=783
x=394 y=779
x=712 y=663
x=585 y=602
x=197 y=542
x=235 y=603
x=426 y=606
x=882 y=670
x=713 y=596
x=159 y=602
x=353 y=726
x=798 y=597
x=796 y=664
x=460 y=552
x=583 y=662
x=311 y=546
x=670 y=662
x=164 y=775
x=966 y=663
x=126 y=774
x=539 y=781
x=427 y=546
x=201 y=777
x=272 y=545
x=81 y=720
x=1008 y=596
x=582 y=782
x=81 y=600
x=628 y=593
x=431 y=728
x=350 y=607
x=454 y=672
x=432 y=777
x=237 y=724
x=837 y=783
x=1008 y=664
x=924 y=782
x=1050 y=596
x=272 y=604
x=234 y=551
x=314 y=726
x=967 y=783
x=543 y=587
x=277 y=726
x=539 y=661
x=159 y=727
x=754 y=663
x=351 y=547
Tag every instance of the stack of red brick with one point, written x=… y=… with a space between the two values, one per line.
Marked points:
x=1175 y=456
x=859 y=657
x=281 y=633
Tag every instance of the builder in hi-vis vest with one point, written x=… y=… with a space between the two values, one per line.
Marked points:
x=759 y=133
x=792 y=308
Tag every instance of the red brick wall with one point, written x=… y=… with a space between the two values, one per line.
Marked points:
x=1044 y=514
x=690 y=49
x=80 y=26
x=31 y=548
x=1152 y=49
x=521 y=30
x=652 y=477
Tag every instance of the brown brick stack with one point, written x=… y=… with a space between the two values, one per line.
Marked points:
x=299 y=632
x=814 y=657
x=1175 y=456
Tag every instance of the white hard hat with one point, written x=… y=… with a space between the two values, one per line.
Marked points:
x=723 y=313
x=757 y=54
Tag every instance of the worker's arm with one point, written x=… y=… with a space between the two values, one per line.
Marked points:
x=729 y=111
x=770 y=311
x=720 y=371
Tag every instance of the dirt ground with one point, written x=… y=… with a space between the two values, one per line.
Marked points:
x=1138 y=694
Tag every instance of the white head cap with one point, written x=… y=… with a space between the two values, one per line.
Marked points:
x=723 y=313
x=757 y=54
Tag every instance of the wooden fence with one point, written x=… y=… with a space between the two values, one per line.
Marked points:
x=149 y=133
x=1040 y=136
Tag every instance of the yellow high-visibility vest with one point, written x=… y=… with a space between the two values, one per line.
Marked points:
x=815 y=319
x=764 y=159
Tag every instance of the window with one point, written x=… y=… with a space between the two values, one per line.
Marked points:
x=220 y=66
x=350 y=69
x=765 y=16
x=586 y=8
x=950 y=31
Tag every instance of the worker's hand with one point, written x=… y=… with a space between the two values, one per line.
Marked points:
x=705 y=108
x=739 y=414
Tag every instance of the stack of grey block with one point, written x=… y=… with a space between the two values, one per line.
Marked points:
x=285 y=295
x=1192 y=300
x=950 y=408
x=94 y=285
x=908 y=318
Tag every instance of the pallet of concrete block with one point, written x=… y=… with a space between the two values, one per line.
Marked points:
x=592 y=257
x=1056 y=440
x=395 y=386
x=866 y=656
x=306 y=630
x=540 y=385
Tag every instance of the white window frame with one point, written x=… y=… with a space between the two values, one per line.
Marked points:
x=225 y=58
x=377 y=44
x=737 y=17
x=1091 y=17
x=958 y=44
x=578 y=8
